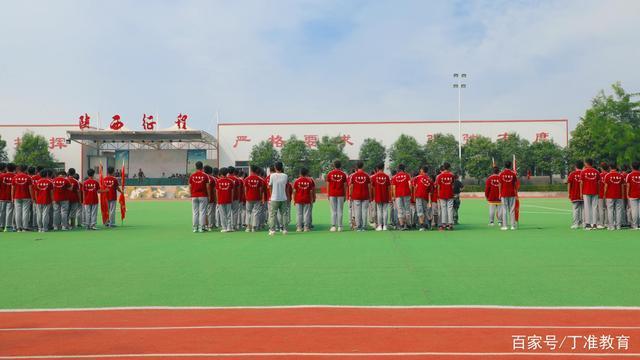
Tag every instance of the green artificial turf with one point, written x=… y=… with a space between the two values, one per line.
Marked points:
x=155 y=260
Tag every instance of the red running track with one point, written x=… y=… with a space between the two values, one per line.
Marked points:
x=316 y=332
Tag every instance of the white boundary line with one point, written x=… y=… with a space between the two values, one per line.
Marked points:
x=342 y=354
x=390 y=307
x=214 y=327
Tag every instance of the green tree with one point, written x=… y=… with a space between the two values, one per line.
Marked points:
x=3 y=151
x=547 y=158
x=328 y=150
x=440 y=149
x=295 y=156
x=407 y=151
x=610 y=129
x=477 y=155
x=372 y=153
x=264 y=154
x=34 y=151
x=514 y=145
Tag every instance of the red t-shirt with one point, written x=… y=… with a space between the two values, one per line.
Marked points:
x=303 y=186
x=401 y=180
x=110 y=184
x=422 y=185
x=224 y=188
x=360 y=182
x=90 y=189
x=253 y=186
x=444 y=182
x=492 y=188
x=336 y=180
x=508 y=180
x=633 y=182
x=212 y=188
x=434 y=194
x=590 y=178
x=574 y=185
x=72 y=191
x=601 y=189
x=21 y=183
x=198 y=181
x=61 y=189
x=615 y=182
x=289 y=191
x=43 y=191
x=237 y=187
x=6 y=181
x=265 y=194
x=381 y=183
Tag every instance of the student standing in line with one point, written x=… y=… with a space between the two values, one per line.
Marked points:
x=633 y=194
x=589 y=188
x=444 y=185
x=7 y=219
x=44 y=199
x=254 y=189
x=90 y=189
x=381 y=186
x=22 y=195
x=508 y=193
x=602 y=202
x=613 y=190
x=303 y=196
x=401 y=193
x=198 y=182
x=492 y=194
x=278 y=202
x=575 y=196
x=360 y=189
x=112 y=188
x=211 y=205
x=224 y=194
x=61 y=187
x=422 y=187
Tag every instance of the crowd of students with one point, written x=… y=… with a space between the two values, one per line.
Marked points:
x=39 y=199
x=604 y=198
x=231 y=200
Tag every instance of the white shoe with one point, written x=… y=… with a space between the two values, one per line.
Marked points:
x=513 y=228
x=504 y=228
x=284 y=232
x=491 y=224
x=247 y=230
x=574 y=226
x=340 y=229
x=600 y=227
x=195 y=230
x=379 y=228
x=297 y=230
x=421 y=229
x=223 y=231
x=333 y=229
x=271 y=232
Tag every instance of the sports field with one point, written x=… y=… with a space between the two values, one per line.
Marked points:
x=155 y=260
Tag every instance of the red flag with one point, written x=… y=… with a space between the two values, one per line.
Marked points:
x=104 y=203
x=515 y=169
x=121 y=200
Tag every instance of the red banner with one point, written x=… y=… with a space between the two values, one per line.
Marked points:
x=121 y=200
x=104 y=203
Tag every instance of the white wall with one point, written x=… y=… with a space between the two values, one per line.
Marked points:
x=154 y=162
x=70 y=154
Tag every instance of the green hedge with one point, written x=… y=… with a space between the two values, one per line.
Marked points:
x=545 y=187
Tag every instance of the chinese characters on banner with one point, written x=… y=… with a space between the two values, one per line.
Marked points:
x=116 y=123
x=147 y=122
x=182 y=121
x=84 y=122
x=239 y=138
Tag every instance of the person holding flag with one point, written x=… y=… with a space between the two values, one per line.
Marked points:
x=121 y=199
x=575 y=195
x=508 y=194
x=111 y=187
x=90 y=189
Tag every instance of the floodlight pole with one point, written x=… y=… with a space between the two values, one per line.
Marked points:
x=459 y=85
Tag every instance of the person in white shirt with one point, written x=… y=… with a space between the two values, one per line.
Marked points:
x=278 y=201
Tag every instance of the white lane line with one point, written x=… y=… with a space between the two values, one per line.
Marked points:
x=546 y=207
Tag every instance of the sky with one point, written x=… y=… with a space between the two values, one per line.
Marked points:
x=311 y=60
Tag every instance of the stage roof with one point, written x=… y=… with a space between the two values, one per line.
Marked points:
x=141 y=136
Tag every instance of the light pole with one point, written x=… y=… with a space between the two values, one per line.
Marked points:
x=459 y=78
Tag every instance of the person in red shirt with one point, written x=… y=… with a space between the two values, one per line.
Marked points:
x=60 y=204
x=7 y=219
x=90 y=190
x=360 y=189
x=225 y=190
x=211 y=205
x=508 y=193
x=422 y=187
x=303 y=195
x=381 y=186
x=44 y=198
x=336 y=191
x=235 y=205
x=112 y=188
x=633 y=194
x=492 y=194
x=198 y=186
x=575 y=196
x=444 y=186
x=613 y=191
x=74 y=195
x=254 y=198
x=401 y=193
x=22 y=194
x=589 y=188
x=602 y=202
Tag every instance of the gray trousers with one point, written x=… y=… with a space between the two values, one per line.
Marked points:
x=6 y=215
x=235 y=214
x=33 y=215
x=446 y=211
x=252 y=214
x=634 y=206
x=112 y=212
x=60 y=214
x=337 y=205
x=360 y=210
x=578 y=216
x=22 y=208
x=74 y=214
x=43 y=216
x=225 y=211
x=403 y=204
x=303 y=212
x=281 y=207
x=90 y=215
x=614 y=213
x=509 y=211
x=199 y=211
x=382 y=210
x=211 y=214
x=602 y=212
x=495 y=212
x=590 y=209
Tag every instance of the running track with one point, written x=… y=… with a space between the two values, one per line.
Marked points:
x=310 y=332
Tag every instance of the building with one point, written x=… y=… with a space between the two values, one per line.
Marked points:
x=68 y=154
x=237 y=139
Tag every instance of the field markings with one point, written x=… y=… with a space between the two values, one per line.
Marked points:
x=546 y=207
